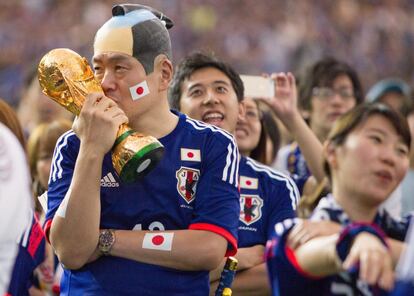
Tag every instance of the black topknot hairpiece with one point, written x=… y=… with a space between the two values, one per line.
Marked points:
x=122 y=9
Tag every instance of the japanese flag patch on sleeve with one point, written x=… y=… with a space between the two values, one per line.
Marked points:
x=248 y=183
x=190 y=154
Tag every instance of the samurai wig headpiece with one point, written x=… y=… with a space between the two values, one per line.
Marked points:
x=136 y=30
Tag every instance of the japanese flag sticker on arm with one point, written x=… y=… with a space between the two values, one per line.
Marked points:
x=161 y=241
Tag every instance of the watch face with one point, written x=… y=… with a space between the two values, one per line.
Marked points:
x=106 y=240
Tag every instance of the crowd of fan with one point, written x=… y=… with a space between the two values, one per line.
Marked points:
x=369 y=40
x=375 y=36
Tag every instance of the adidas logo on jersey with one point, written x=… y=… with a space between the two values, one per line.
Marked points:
x=109 y=181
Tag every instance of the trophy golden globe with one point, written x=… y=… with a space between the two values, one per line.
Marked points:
x=67 y=78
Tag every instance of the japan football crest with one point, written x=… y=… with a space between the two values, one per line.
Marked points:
x=250 y=208
x=187 y=179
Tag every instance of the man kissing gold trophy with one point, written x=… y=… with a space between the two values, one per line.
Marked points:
x=67 y=78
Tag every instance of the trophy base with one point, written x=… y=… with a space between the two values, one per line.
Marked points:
x=142 y=162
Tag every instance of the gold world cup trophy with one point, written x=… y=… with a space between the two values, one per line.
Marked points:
x=67 y=78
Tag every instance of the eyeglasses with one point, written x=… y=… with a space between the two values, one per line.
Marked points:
x=325 y=93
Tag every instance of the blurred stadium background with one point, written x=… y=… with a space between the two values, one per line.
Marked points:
x=374 y=36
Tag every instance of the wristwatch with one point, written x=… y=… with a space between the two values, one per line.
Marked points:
x=106 y=241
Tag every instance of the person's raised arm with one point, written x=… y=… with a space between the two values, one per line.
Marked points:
x=284 y=104
x=75 y=227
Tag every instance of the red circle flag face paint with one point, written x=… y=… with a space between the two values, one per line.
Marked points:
x=139 y=90
x=158 y=241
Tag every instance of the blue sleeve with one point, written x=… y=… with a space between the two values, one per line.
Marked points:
x=217 y=206
x=300 y=182
x=396 y=229
x=283 y=197
x=285 y=278
x=31 y=253
x=402 y=288
x=63 y=164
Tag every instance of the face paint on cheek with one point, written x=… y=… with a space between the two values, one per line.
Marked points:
x=140 y=90
x=158 y=241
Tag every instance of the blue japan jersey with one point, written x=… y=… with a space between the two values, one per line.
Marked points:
x=195 y=186
x=31 y=254
x=266 y=198
x=296 y=163
x=292 y=161
x=287 y=277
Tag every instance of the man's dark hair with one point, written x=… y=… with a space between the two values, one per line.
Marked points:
x=322 y=74
x=197 y=61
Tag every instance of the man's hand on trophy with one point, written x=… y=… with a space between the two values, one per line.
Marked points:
x=98 y=122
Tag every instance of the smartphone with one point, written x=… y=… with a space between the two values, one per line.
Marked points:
x=258 y=86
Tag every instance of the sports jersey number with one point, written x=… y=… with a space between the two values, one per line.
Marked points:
x=154 y=226
x=345 y=289
x=341 y=289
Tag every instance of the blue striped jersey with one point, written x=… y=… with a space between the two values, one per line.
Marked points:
x=288 y=278
x=31 y=254
x=293 y=161
x=266 y=198
x=195 y=186
x=404 y=275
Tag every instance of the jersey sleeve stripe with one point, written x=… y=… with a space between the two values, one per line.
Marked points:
x=36 y=237
x=233 y=178
x=237 y=160
x=236 y=174
x=56 y=154
x=293 y=190
x=220 y=231
x=57 y=170
x=201 y=125
x=25 y=236
x=292 y=259
x=228 y=163
x=46 y=229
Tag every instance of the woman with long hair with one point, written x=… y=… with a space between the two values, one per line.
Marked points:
x=257 y=133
